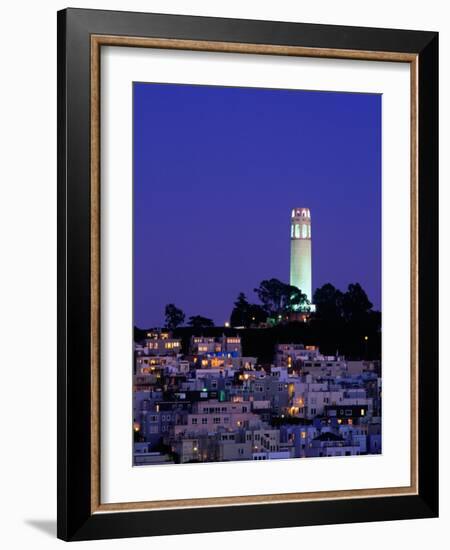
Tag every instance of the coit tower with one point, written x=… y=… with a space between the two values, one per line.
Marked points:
x=301 y=266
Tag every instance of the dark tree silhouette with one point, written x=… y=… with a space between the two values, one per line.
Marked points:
x=197 y=321
x=174 y=316
x=257 y=314
x=279 y=298
x=294 y=299
x=271 y=292
x=328 y=302
x=245 y=314
x=239 y=315
x=355 y=304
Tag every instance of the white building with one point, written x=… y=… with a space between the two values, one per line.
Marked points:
x=301 y=262
x=161 y=343
x=223 y=346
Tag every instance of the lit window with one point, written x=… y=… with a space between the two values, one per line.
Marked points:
x=297 y=231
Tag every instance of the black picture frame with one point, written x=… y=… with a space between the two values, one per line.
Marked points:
x=75 y=518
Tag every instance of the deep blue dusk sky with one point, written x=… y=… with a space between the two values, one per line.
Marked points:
x=216 y=174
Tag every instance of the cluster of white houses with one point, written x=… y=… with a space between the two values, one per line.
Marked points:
x=211 y=403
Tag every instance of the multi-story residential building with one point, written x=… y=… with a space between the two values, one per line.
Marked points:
x=161 y=343
x=216 y=405
x=197 y=448
x=233 y=448
x=330 y=444
x=212 y=416
x=290 y=355
x=299 y=436
x=223 y=346
x=268 y=388
x=143 y=456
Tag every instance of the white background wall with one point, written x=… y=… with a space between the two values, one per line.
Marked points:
x=28 y=268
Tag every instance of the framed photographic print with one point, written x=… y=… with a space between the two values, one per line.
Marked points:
x=247 y=259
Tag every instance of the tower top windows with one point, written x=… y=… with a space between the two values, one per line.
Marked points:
x=301 y=215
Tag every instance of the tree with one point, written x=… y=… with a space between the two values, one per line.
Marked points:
x=174 y=316
x=271 y=292
x=240 y=314
x=257 y=314
x=279 y=298
x=245 y=314
x=355 y=303
x=294 y=299
x=197 y=321
x=328 y=301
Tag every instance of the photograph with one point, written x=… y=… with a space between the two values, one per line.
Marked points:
x=257 y=296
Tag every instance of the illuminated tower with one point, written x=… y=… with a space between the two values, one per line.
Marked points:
x=301 y=266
